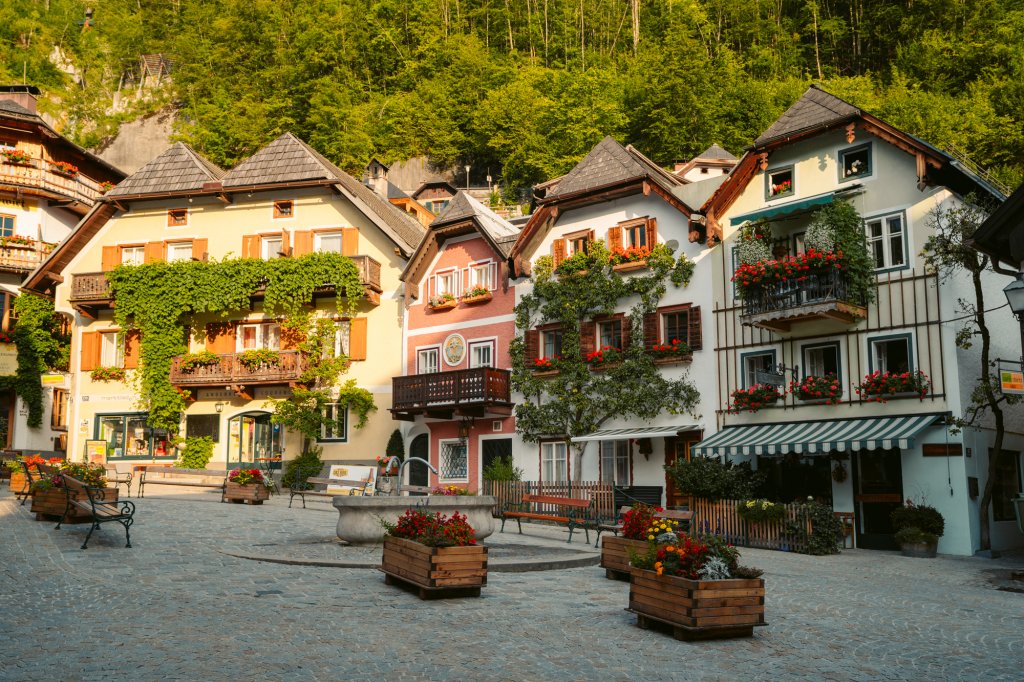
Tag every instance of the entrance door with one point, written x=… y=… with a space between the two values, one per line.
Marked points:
x=419 y=474
x=251 y=436
x=676 y=449
x=878 y=482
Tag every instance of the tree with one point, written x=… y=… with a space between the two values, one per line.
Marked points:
x=578 y=400
x=947 y=252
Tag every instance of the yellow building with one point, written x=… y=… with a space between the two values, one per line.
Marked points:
x=283 y=202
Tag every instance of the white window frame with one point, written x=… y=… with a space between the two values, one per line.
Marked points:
x=748 y=379
x=342 y=337
x=267 y=249
x=886 y=239
x=875 y=361
x=264 y=338
x=482 y=273
x=443 y=279
x=806 y=350
x=441 y=465
x=318 y=239
x=174 y=246
x=140 y=251
x=613 y=455
x=111 y=349
x=554 y=462
x=489 y=344
x=426 y=352
x=326 y=437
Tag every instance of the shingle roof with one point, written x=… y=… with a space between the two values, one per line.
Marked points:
x=465 y=207
x=609 y=163
x=715 y=153
x=178 y=169
x=286 y=159
x=815 y=109
x=9 y=106
x=395 y=192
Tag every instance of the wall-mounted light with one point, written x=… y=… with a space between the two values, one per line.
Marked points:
x=219 y=407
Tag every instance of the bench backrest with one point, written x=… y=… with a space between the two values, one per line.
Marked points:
x=676 y=514
x=574 y=502
x=172 y=472
x=93 y=495
x=114 y=475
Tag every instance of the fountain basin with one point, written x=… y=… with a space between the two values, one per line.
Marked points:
x=359 y=517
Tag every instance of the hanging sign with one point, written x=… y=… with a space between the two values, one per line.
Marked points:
x=1011 y=378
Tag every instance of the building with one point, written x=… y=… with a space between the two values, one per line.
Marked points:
x=712 y=162
x=376 y=178
x=47 y=184
x=435 y=193
x=455 y=388
x=285 y=201
x=863 y=456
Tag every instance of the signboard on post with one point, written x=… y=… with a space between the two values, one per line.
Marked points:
x=96 y=451
x=1011 y=381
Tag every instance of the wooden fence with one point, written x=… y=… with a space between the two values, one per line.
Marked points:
x=513 y=491
x=721 y=518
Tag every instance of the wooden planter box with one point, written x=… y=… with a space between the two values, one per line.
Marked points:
x=627 y=267
x=50 y=504
x=447 y=305
x=482 y=298
x=615 y=555
x=253 y=493
x=435 y=571
x=18 y=481
x=673 y=359
x=697 y=609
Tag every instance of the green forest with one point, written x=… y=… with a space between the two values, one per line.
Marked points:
x=524 y=88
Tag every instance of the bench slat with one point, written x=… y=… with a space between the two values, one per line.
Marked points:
x=560 y=501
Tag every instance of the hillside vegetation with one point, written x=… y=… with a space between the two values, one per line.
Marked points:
x=525 y=87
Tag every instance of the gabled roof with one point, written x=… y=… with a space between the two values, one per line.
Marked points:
x=434 y=182
x=464 y=207
x=715 y=153
x=609 y=163
x=286 y=159
x=815 y=109
x=177 y=169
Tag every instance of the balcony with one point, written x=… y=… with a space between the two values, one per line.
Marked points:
x=38 y=176
x=229 y=372
x=23 y=257
x=478 y=392
x=815 y=297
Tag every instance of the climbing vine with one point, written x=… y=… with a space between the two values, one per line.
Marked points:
x=161 y=300
x=43 y=344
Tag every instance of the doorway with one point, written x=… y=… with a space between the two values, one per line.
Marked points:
x=250 y=436
x=418 y=473
x=495 y=449
x=677 y=449
x=878 y=489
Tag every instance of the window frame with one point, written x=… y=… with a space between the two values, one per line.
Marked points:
x=343 y=438
x=442 y=276
x=598 y=324
x=908 y=337
x=490 y=344
x=262 y=329
x=486 y=266
x=744 y=357
x=1002 y=478
x=14 y=224
x=865 y=146
x=632 y=229
x=586 y=237
x=118 y=348
x=904 y=235
x=555 y=460
x=663 y=335
x=616 y=459
x=266 y=240
x=173 y=215
x=59 y=408
x=464 y=444
x=141 y=249
x=824 y=344
x=543 y=342
x=319 y=236
x=342 y=337
x=279 y=214
x=436 y=349
x=791 y=169
x=177 y=244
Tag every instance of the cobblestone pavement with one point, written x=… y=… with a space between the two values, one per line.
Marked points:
x=178 y=606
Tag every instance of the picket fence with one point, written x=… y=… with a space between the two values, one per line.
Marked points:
x=511 y=492
x=720 y=517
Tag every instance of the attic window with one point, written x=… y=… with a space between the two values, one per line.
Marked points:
x=283 y=209
x=855 y=162
x=780 y=183
x=177 y=217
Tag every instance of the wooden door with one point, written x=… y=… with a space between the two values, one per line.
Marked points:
x=677 y=448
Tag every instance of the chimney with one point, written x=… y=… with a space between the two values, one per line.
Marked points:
x=25 y=95
x=678 y=166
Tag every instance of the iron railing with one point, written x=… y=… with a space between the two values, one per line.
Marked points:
x=793 y=292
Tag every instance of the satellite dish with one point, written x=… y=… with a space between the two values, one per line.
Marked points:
x=672 y=244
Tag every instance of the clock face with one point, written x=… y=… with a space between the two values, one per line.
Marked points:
x=454 y=350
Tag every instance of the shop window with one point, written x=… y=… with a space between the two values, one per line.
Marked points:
x=203 y=426
x=129 y=436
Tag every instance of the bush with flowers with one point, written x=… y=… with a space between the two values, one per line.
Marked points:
x=545 y=364
x=451 y=490
x=750 y=276
x=754 y=398
x=18 y=157
x=247 y=476
x=673 y=349
x=603 y=355
x=878 y=386
x=637 y=520
x=757 y=511
x=670 y=552
x=64 y=168
x=630 y=254
x=825 y=388
x=432 y=529
x=92 y=475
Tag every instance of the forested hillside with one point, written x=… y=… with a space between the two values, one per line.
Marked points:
x=525 y=87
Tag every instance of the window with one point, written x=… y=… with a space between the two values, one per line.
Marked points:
x=609 y=333
x=203 y=425
x=428 y=360
x=635 y=235
x=735 y=266
x=437 y=206
x=615 y=461
x=578 y=242
x=262 y=335
x=447 y=283
x=891 y=354
x=8 y=144
x=821 y=360
x=335 y=427
x=177 y=217
x=179 y=251
x=886 y=241
x=111 y=349
x=328 y=242
x=754 y=364
x=551 y=343
x=59 y=409
x=554 y=462
x=283 y=209
x=779 y=183
x=481 y=353
x=6 y=226
x=133 y=255
x=675 y=326
x=855 y=162
x=1007 y=486
x=454 y=460
x=270 y=247
x=798 y=243
x=481 y=275
x=342 y=334
x=129 y=436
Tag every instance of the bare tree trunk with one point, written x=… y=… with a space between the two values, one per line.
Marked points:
x=817 y=54
x=577 y=459
x=985 y=539
x=635 y=5
x=508 y=20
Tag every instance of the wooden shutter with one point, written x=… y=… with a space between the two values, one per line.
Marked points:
x=286 y=243
x=694 y=333
x=357 y=338
x=652 y=232
x=303 y=243
x=290 y=338
x=614 y=237
x=154 y=252
x=557 y=252
x=90 y=351
x=627 y=332
x=588 y=341
x=131 y=349
x=349 y=241
x=250 y=246
x=111 y=257
x=220 y=338
x=200 y=249
x=531 y=346
x=651 y=330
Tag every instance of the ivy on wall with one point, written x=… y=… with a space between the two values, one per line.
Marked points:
x=43 y=343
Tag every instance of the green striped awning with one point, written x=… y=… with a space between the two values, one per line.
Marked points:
x=816 y=438
x=788 y=208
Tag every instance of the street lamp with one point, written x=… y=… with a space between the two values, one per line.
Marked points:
x=1015 y=297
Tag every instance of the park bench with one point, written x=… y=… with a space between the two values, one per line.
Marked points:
x=117 y=478
x=305 y=483
x=532 y=507
x=31 y=476
x=99 y=504
x=616 y=527
x=185 y=477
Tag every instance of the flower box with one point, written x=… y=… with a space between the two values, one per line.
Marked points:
x=630 y=266
x=435 y=571
x=615 y=555
x=546 y=372
x=673 y=359
x=444 y=305
x=18 y=481
x=49 y=504
x=697 y=609
x=479 y=298
x=253 y=493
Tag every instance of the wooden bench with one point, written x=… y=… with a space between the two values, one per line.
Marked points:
x=100 y=506
x=677 y=515
x=186 y=477
x=117 y=478
x=31 y=476
x=317 y=487
x=576 y=515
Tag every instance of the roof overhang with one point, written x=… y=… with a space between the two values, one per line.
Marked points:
x=637 y=432
x=1001 y=236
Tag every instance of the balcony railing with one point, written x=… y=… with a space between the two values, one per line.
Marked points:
x=813 y=296
x=481 y=387
x=91 y=286
x=38 y=175
x=23 y=258
x=229 y=370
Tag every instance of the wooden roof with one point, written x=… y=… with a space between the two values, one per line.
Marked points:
x=286 y=159
x=815 y=109
x=179 y=168
x=608 y=163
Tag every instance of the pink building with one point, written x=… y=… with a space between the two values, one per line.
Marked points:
x=459 y=323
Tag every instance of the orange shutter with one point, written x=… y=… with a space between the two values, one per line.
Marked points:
x=131 y=349
x=200 y=249
x=250 y=246
x=90 y=351
x=111 y=257
x=357 y=339
x=349 y=241
x=557 y=252
x=154 y=251
x=286 y=245
x=652 y=232
x=303 y=243
x=220 y=338
x=614 y=238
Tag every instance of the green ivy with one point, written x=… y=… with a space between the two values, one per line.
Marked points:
x=43 y=344
x=196 y=453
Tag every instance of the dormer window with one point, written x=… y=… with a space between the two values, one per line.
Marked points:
x=284 y=209
x=855 y=162
x=780 y=183
x=177 y=217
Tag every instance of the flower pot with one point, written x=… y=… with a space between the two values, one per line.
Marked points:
x=632 y=265
x=697 y=609
x=673 y=359
x=920 y=550
x=615 y=555
x=435 y=571
x=473 y=300
x=447 y=305
x=51 y=503
x=253 y=493
x=545 y=372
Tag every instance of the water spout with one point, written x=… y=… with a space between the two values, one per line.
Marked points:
x=401 y=469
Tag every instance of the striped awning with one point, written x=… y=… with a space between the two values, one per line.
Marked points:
x=788 y=208
x=636 y=432
x=816 y=438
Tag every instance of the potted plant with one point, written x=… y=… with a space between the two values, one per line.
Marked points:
x=604 y=356
x=824 y=389
x=760 y=511
x=445 y=301
x=106 y=186
x=754 y=398
x=68 y=170
x=880 y=387
x=918 y=529
x=478 y=294
x=192 y=361
x=107 y=374
x=435 y=554
x=49 y=497
x=615 y=549
x=16 y=157
x=451 y=490
x=258 y=358
x=247 y=485
x=545 y=366
x=674 y=351
x=629 y=258
x=387 y=469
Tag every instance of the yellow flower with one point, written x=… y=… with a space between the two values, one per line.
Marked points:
x=650 y=537
x=657 y=564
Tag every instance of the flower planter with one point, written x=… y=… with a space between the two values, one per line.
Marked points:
x=697 y=609
x=49 y=505
x=64 y=174
x=673 y=359
x=253 y=493
x=18 y=481
x=474 y=300
x=633 y=265
x=920 y=550
x=545 y=372
x=615 y=555
x=447 y=305
x=435 y=571
x=885 y=397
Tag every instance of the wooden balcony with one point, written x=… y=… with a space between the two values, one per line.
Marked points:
x=81 y=192
x=230 y=372
x=479 y=392
x=23 y=257
x=816 y=297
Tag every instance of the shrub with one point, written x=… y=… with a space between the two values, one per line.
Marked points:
x=637 y=520
x=826 y=530
x=922 y=517
x=395 y=447
x=713 y=480
x=307 y=461
x=196 y=453
x=502 y=469
x=915 y=536
x=756 y=511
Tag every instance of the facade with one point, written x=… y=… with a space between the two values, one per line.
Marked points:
x=710 y=163
x=47 y=184
x=865 y=457
x=376 y=178
x=455 y=390
x=284 y=201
